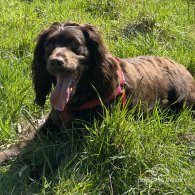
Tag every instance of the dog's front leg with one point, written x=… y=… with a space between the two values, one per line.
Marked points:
x=52 y=123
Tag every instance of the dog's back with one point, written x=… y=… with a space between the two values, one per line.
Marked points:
x=152 y=78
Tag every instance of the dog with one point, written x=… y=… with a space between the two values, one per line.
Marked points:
x=72 y=63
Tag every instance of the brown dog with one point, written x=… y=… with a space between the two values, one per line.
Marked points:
x=73 y=58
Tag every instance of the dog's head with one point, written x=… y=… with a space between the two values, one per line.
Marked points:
x=73 y=58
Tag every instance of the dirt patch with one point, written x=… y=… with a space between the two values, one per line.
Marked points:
x=142 y=26
x=189 y=137
x=26 y=132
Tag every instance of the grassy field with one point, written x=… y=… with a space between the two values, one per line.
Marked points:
x=154 y=155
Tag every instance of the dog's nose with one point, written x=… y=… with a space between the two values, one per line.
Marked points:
x=56 y=62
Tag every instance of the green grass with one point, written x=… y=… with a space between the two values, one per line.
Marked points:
x=151 y=155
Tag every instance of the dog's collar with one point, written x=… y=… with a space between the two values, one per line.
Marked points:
x=120 y=91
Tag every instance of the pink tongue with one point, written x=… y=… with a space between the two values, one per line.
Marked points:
x=61 y=93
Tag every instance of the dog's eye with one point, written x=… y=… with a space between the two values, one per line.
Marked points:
x=49 y=46
x=75 y=46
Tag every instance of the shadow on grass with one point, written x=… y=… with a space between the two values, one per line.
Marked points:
x=111 y=151
x=39 y=161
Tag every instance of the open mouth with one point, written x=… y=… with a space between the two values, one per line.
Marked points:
x=64 y=89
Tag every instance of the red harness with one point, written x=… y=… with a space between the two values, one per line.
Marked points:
x=120 y=91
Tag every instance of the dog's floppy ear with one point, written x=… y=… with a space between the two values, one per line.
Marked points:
x=95 y=44
x=42 y=80
x=102 y=65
